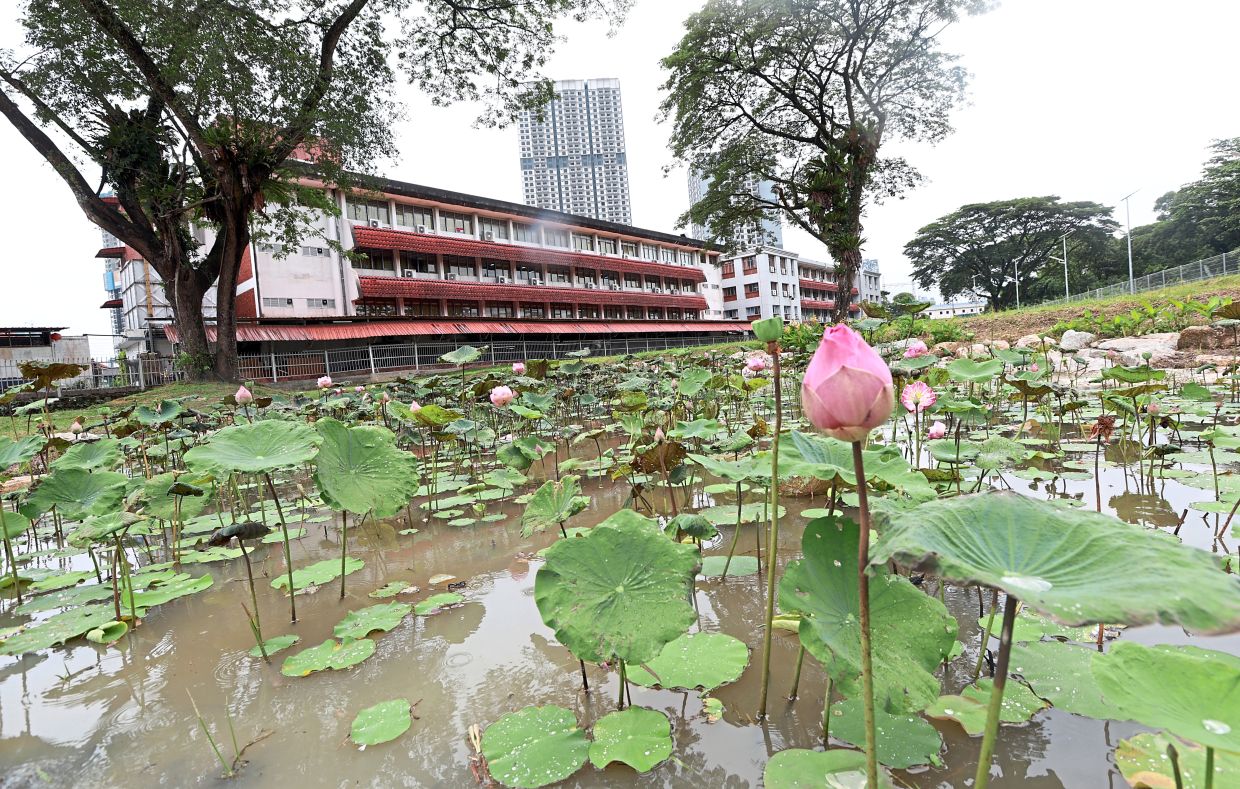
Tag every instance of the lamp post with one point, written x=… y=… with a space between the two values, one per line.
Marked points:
x=1132 y=284
x=1064 y=239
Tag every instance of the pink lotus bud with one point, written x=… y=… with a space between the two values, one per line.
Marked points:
x=338 y=391
x=325 y=382
x=937 y=430
x=76 y=428
x=387 y=396
x=518 y=368
x=847 y=389
x=414 y=407
x=915 y=348
x=755 y=364
x=917 y=396
x=501 y=396
x=243 y=396
x=1034 y=367
x=359 y=389
x=658 y=435
x=1152 y=409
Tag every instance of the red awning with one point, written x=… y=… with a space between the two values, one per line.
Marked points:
x=814 y=284
x=366 y=330
x=408 y=288
x=381 y=238
x=110 y=252
x=814 y=304
x=111 y=304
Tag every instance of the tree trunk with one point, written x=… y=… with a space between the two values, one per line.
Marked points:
x=186 y=297
x=849 y=261
x=235 y=237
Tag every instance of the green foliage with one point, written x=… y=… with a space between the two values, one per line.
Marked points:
x=381 y=723
x=535 y=746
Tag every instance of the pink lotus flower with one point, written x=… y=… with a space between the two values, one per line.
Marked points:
x=1152 y=409
x=658 y=435
x=414 y=406
x=1034 y=367
x=243 y=396
x=915 y=348
x=325 y=382
x=937 y=430
x=518 y=368
x=359 y=389
x=76 y=428
x=501 y=396
x=338 y=391
x=387 y=396
x=755 y=364
x=917 y=396
x=847 y=389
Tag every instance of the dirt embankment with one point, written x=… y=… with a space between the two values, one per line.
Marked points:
x=1011 y=325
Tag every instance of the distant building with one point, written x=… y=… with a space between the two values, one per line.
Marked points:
x=870 y=281
x=573 y=157
x=768 y=281
x=768 y=232
x=956 y=309
x=40 y=344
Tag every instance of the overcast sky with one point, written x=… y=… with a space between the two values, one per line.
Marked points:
x=1085 y=100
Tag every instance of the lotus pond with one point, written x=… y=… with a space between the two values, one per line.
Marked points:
x=568 y=582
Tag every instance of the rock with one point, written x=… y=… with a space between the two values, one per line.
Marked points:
x=1146 y=342
x=1034 y=341
x=1073 y=340
x=1091 y=353
x=1172 y=360
x=1205 y=338
x=1000 y=345
x=977 y=349
x=1217 y=360
x=945 y=348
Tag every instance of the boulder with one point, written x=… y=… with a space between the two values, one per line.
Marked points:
x=1205 y=338
x=999 y=345
x=945 y=348
x=1076 y=340
x=1034 y=341
x=1173 y=360
x=1146 y=342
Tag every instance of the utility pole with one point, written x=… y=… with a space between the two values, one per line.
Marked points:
x=1017 y=263
x=1132 y=283
x=1064 y=239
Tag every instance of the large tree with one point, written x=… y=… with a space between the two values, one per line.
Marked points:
x=190 y=111
x=804 y=94
x=982 y=247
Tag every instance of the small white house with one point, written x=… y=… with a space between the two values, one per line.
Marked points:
x=955 y=309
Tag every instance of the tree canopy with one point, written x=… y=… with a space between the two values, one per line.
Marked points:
x=982 y=246
x=804 y=93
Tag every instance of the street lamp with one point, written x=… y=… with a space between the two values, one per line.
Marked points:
x=1064 y=260
x=1132 y=285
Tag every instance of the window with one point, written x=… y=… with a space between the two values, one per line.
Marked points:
x=367 y=210
x=685 y=258
x=750 y=265
x=451 y=222
x=500 y=311
x=783 y=265
x=729 y=269
x=774 y=288
x=588 y=311
x=417 y=261
x=559 y=275
x=561 y=311
x=635 y=313
x=729 y=294
x=321 y=304
x=771 y=265
x=379 y=260
x=673 y=315
x=315 y=252
x=497 y=228
x=632 y=281
x=379 y=308
x=463 y=309
x=610 y=278
x=414 y=216
x=667 y=255
x=752 y=312
x=526 y=273
x=276 y=302
x=525 y=233
x=458 y=265
x=628 y=249
x=649 y=252
x=532 y=311
x=423 y=308
x=555 y=238
x=751 y=290
x=583 y=243
x=607 y=246
x=494 y=269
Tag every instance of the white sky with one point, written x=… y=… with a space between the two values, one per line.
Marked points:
x=1086 y=100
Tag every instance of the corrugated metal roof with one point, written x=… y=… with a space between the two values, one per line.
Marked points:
x=367 y=330
x=408 y=288
x=110 y=252
x=814 y=284
x=111 y=304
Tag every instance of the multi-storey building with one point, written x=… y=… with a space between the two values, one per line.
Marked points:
x=768 y=232
x=768 y=281
x=870 y=281
x=956 y=309
x=573 y=157
x=407 y=260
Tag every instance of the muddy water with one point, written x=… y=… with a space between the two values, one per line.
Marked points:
x=122 y=717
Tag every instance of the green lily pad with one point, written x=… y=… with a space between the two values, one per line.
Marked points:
x=1063 y=675
x=318 y=573
x=1143 y=762
x=903 y=740
x=274 y=645
x=77 y=494
x=15 y=452
x=108 y=633
x=381 y=723
x=712 y=566
x=552 y=504
x=58 y=629
x=1191 y=692
x=638 y=737
x=331 y=654
x=256 y=448
x=435 y=602
x=364 y=621
x=969 y=708
x=361 y=470
x=912 y=632
x=103 y=454
x=534 y=746
x=620 y=591
x=390 y=589
x=61 y=581
x=702 y=661
x=1032 y=626
x=800 y=768
x=1063 y=562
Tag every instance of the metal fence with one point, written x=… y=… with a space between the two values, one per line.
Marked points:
x=375 y=359
x=138 y=372
x=1217 y=266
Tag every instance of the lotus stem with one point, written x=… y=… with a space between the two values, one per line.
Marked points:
x=344 y=546
x=8 y=555
x=1174 y=756
x=772 y=542
x=288 y=553
x=585 y=683
x=826 y=713
x=982 y=779
x=1209 y=767
x=796 y=677
x=249 y=575
x=863 y=606
x=620 y=701
x=990 y=623
x=736 y=535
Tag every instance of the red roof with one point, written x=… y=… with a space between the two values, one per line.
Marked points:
x=382 y=238
x=814 y=304
x=110 y=252
x=814 y=284
x=363 y=330
x=111 y=304
x=408 y=288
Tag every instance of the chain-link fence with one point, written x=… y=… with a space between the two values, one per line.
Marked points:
x=140 y=372
x=1217 y=266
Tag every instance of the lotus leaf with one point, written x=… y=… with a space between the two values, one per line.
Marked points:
x=712 y=566
x=903 y=740
x=108 y=633
x=1063 y=562
x=318 y=573
x=360 y=623
x=14 y=523
x=1063 y=675
x=274 y=644
x=969 y=708
x=970 y=371
x=553 y=503
x=167 y=411
x=77 y=493
x=1143 y=762
x=178 y=586
x=390 y=589
x=381 y=723
x=331 y=654
x=694 y=661
x=57 y=629
x=435 y=602
x=799 y=768
x=638 y=737
x=23 y=450
x=466 y=354
x=534 y=746
x=620 y=591
x=360 y=469
x=103 y=454
x=829 y=459
x=256 y=448
x=161 y=502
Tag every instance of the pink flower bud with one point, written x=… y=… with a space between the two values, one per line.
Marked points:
x=658 y=435
x=1034 y=367
x=243 y=396
x=1152 y=409
x=338 y=391
x=501 y=396
x=325 y=382
x=916 y=348
x=518 y=368
x=755 y=364
x=917 y=396
x=387 y=396
x=937 y=430
x=847 y=389
x=414 y=407
x=359 y=389
x=76 y=428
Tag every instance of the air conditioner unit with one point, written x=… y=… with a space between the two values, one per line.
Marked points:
x=503 y=280
x=535 y=281
x=488 y=236
x=421 y=228
x=613 y=287
x=451 y=276
x=408 y=272
x=374 y=223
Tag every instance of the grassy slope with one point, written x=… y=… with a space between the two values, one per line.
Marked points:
x=1013 y=324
